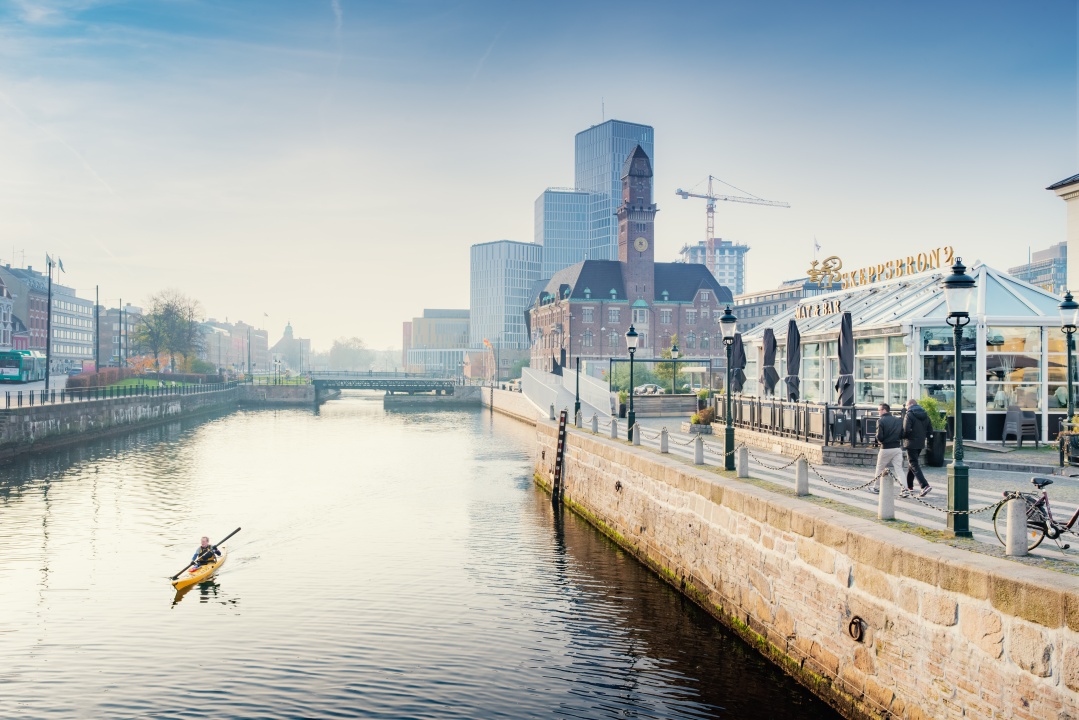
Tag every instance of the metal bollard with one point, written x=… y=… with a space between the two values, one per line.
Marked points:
x=886 y=501
x=1017 y=528
x=801 y=477
x=552 y=412
x=636 y=433
x=663 y=441
x=614 y=428
x=579 y=420
x=698 y=451
x=595 y=423
x=742 y=462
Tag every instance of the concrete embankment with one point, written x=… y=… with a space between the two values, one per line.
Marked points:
x=45 y=427
x=878 y=622
x=278 y=395
x=514 y=404
x=462 y=396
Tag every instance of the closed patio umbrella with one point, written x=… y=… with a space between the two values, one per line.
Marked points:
x=794 y=360
x=738 y=364
x=769 y=374
x=844 y=385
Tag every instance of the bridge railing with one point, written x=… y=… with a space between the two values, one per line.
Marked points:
x=30 y=398
x=337 y=374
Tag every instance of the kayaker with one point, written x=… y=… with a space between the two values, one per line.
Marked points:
x=206 y=554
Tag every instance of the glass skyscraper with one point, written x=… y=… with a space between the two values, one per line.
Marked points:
x=503 y=274
x=600 y=152
x=562 y=228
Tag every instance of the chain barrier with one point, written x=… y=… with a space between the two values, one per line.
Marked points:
x=946 y=511
x=776 y=467
x=886 y=471
x=722 y=454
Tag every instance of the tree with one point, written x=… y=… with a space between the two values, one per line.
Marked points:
x=518 y=367
x=350 y=354
x=170 y=326
x=665 y=371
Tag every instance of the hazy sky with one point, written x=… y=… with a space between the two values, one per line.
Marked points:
x=331 y=162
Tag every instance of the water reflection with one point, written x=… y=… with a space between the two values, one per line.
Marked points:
x=392 y=564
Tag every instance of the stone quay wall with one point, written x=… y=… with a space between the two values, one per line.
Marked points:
x=277 y=395
x=463 y=396
x=945 y=632
x=514 y=404
x=45 y=427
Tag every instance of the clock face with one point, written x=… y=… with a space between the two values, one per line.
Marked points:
x=641 y=244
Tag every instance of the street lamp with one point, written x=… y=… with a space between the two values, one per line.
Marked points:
x=958 y=292
x=577 y=393
x=631 y=343
x=1069 y=315
x=674 y=373
x=727 y=325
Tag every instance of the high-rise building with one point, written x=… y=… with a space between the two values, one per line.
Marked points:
x=502 y=276
x=439 y=341
x=725 y=259
x=599 y=153
x=1047 y=269
x=562 y=228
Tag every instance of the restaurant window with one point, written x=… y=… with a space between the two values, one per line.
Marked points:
x=811 y=372
x=869 y=364
x=1013 y=370
x=898 y=378
x=938 y=365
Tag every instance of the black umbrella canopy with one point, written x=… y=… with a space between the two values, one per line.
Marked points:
x=769 y=375
x=738 y=364
x=844 y=385
x=794 y=360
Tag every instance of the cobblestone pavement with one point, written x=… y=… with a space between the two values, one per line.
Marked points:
x=986 y=486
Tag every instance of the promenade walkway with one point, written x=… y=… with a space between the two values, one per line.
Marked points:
x=986 y=488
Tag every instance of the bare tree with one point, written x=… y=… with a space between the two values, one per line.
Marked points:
x=170 y=326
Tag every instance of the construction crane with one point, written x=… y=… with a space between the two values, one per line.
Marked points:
x=711 y=197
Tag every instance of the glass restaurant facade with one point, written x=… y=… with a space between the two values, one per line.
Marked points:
x=1013 y=350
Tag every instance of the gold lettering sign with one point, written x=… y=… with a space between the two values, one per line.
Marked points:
x=827 y=271
x=809 y=310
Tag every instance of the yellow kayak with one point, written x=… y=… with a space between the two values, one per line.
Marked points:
x=189 y=577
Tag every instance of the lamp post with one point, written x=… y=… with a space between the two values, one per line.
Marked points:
x=577 y=394
x=631 y=343
x=1069 y=319
x=674 y=372
x=727 y=325
x=958 y=292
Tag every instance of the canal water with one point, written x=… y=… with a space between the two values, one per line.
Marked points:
x=391 y=565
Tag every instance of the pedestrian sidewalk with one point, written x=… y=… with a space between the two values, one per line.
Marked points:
x=987 y=487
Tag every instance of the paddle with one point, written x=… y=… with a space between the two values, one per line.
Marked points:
x=193 y=562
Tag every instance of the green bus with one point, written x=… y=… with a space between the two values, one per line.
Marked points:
x=19 y=366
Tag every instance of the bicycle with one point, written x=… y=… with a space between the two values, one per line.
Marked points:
x=1040 y=520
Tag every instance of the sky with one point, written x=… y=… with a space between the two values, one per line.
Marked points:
x=330 y=162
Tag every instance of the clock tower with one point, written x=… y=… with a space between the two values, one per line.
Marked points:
x=636 y=228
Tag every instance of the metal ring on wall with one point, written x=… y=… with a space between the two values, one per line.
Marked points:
x=856 y=628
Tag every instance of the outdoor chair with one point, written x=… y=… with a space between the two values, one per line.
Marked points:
x=1020 y=424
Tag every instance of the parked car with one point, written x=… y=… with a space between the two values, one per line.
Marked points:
x=648 y=389
x=74 y=371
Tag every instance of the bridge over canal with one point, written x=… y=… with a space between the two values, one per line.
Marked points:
x=395 y=382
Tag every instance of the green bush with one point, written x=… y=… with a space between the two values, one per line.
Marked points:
x=706 y=416
x=623 y=396
x=695 y=419
x=932 y=408
x=703 y=394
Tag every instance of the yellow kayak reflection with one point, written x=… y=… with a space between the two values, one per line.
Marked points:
x=200 y=573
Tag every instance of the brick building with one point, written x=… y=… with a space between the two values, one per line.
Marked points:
x=586 y=309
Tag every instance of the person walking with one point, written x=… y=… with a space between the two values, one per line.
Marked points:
x=889 y=437
x=916 y=427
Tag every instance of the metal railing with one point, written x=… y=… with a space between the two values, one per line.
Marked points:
x=31 y=398
x=851 y=425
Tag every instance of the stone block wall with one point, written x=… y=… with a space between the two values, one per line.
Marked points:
x=946 y=633
x=44 y=427
x=277 y=395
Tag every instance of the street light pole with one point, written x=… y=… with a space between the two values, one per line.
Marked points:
x=577 y=394
x=1069 y=319
x=674 y=372
x=727 y=325
x=631 y=343
x=958 y=292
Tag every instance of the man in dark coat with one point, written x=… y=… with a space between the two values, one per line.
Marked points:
x=889 y=438
x=916 y=428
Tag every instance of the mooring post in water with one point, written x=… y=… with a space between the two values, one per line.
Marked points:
x=556 y=486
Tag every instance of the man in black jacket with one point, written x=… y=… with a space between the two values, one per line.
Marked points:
x=889 y=437
x=916 y=427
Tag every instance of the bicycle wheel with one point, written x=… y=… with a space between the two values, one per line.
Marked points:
x=1036 y=523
